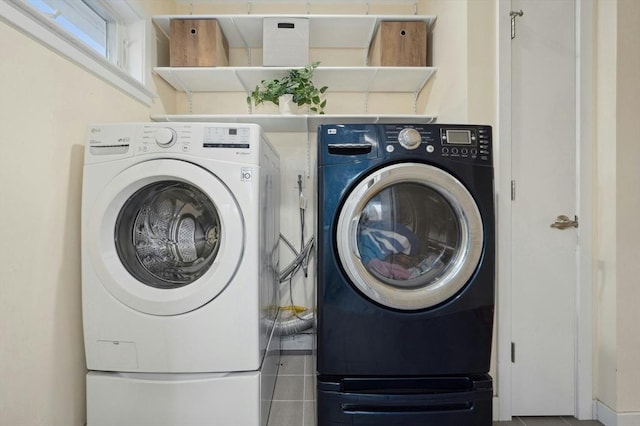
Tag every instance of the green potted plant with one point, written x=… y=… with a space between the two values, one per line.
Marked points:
x=296 y=83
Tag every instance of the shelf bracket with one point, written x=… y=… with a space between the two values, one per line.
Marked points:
x=308 y=155
x=190 y=100
x=244 y=41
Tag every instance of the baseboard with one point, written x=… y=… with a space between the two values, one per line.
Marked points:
x=608 y=417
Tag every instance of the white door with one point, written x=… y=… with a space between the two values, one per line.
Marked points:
x=544 y=267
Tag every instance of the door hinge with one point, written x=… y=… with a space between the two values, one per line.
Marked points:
x=514 y=14
x=513 y=190
x=513 y=352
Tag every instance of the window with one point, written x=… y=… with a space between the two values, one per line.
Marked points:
x=79 y=20
x=106 y=37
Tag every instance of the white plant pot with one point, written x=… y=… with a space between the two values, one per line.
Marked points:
x=286 y=105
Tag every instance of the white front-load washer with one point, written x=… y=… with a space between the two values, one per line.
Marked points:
x=180 y=228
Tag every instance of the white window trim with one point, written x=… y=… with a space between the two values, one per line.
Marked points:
x=21 y=16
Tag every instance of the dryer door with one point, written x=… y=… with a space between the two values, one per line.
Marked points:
x=165 y=237
x=409 y=236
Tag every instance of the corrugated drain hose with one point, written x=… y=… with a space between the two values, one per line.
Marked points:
x=301 y=318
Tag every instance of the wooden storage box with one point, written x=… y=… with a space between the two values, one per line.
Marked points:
x=197 y=43
x=399 y=44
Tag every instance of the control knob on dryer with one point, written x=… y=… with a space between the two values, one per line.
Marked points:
x=409 y=138
x=165 y=136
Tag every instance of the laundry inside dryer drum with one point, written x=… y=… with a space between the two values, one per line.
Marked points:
x=168 y=234
x=408 y=236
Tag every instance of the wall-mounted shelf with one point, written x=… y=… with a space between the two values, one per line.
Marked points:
x=338 y=79
x=295 y=123
x=325 y=31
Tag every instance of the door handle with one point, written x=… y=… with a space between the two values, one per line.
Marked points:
x=563 y=222
x=354 y=236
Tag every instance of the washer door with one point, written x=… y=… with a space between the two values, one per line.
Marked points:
x=165 y=237
x=409 y=236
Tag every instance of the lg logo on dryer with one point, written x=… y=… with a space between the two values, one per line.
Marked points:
x=246 y=174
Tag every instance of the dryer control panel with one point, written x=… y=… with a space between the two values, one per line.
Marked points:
x=460 y=143
x=456 y=142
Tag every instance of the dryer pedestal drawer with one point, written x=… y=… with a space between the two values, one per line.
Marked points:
x=454 y=401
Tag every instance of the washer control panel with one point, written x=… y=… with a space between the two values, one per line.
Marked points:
x=206 y=140
x=187 y=138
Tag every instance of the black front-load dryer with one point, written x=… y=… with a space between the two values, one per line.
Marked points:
x=405 y=272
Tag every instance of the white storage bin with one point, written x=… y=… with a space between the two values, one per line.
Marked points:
x=285 y=42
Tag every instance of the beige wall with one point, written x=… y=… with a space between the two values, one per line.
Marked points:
x=628 y=201
x=618 y=203
x=44 y=117
x=46 y=104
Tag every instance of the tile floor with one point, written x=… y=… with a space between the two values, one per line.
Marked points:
x=294 y=394
x=293 y=398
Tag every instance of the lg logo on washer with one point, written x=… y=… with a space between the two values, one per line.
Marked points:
x=246 y=175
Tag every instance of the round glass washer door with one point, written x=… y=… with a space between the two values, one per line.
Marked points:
x=165 y=237
x=409 y=236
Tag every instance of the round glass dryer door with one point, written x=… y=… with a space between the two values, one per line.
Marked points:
x=409 y=236
x=165 y=237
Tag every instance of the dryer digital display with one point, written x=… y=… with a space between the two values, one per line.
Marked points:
x=459 y=137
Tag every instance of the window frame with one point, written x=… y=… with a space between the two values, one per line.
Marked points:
x=130 y=70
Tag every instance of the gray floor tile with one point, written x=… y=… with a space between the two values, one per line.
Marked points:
x=289 y=388
x=573 y=421
x=309 y=414
x=309 y=388
x=310 y=365
x=285 y=413
x=292 y=365
x=543 y=421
